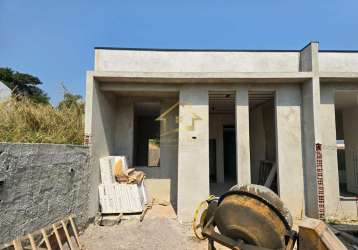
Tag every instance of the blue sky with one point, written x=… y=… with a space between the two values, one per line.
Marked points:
x=54 y=40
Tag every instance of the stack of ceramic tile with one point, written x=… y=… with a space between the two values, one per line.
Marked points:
x=117 y=197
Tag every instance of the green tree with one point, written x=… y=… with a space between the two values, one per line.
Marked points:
x=23 y=84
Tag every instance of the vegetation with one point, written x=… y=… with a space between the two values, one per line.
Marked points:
x=23 y=120
x=29 y=117
x=23 y=85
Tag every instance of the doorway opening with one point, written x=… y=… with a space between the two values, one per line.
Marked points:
x=222 y=143
x=346 y=113
x=263 y=139
x=146 y=134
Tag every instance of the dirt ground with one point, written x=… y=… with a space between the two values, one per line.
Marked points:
x=158 y=230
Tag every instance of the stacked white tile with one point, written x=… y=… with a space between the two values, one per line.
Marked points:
x=115 y=197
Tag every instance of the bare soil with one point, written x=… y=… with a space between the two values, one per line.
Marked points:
x=159 y=230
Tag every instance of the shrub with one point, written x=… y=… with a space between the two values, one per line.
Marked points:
x=22 y=120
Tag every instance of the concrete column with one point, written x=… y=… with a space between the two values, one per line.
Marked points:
x=310 y=124
x=242 y=136
x=193 y=152
x=289 y=148
x=329 y=152
x=101 y=123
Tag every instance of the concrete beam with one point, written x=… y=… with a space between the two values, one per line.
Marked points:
x=199 y=77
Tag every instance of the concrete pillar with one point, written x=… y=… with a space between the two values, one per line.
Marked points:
x=100 y=123
x=289 y=148
x=350 y=124
x=329 y=151
x=242 y=136
x=310 y=124
x=193 y=152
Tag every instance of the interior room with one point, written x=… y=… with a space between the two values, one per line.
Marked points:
x=222 y=143
x=263 y=139
x=346 y=113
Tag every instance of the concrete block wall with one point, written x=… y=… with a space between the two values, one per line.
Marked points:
x=40 y=184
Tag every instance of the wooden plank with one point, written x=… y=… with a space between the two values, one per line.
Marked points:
x=44 y=235
x=58 y=238
x=271 y=176
x=17 y=244
x=32 y=242
x=64 y=225
x=74 y=229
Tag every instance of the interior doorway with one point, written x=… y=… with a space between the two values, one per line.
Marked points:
x=222 y=144
x=229 y=154
x=262 y=119
x=346 y=113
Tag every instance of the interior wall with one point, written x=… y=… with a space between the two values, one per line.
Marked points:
x=124 y=131
x=257 y=142
x=268 y=112
x=350 y=125
x=262 y=137
x=216 y=131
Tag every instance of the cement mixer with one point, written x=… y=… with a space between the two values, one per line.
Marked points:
x=252 y=217
x=246 y=217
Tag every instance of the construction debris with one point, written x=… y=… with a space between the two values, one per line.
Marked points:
x=122 y=189
x=54 y=236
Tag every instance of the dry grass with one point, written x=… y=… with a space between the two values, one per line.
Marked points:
x=24 y=121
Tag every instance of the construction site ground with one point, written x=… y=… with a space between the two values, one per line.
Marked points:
x=159 y=230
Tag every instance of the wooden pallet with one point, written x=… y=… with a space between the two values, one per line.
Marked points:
x=52 y=237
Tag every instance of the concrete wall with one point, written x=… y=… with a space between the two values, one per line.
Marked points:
x=193 y=151
x=257 y=142
x=329 y=152
x=338 y=62
x=195 y=61
x=100 y=126
x=40 y=184
x=289 y=148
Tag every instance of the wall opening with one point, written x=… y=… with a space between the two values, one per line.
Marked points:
x=263 y=139
x=222 y=143
x=146 y=134
x=346 y=113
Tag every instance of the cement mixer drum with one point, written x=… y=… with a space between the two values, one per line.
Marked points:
x=254 y=214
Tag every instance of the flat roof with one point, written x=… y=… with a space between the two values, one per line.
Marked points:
x=217 y=50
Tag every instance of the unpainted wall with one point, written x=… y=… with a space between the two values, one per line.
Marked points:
x=41 y=184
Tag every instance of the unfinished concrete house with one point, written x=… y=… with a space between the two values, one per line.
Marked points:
x=199 y=121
